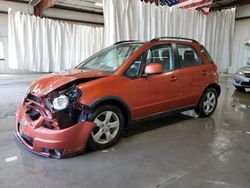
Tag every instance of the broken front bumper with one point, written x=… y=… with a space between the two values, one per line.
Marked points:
x=52 y=143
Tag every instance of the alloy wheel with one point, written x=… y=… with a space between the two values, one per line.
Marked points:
x=209 y=102
x=107 y=127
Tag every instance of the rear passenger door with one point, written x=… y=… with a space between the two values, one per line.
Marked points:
x=192 y=74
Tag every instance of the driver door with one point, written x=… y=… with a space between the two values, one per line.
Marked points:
x=157 y=93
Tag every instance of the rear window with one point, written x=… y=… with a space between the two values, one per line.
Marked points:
x=210 y=59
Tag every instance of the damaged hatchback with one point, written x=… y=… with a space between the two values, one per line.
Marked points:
x=93 y=103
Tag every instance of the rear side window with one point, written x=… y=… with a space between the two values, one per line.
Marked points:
x=187 y=56
x=210 y=59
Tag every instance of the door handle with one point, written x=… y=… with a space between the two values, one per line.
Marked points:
x=204 y=73
x=173 y=79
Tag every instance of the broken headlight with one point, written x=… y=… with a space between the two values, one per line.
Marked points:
x=61 y=102
x=62 y=99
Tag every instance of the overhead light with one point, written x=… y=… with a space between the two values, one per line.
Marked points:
x=99 y=4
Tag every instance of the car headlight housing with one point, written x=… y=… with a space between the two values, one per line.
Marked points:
x=240 y=72
x=61 y=102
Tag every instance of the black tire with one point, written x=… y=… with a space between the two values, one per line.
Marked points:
x=93 y=144
x=201 y=109
x=241 y=89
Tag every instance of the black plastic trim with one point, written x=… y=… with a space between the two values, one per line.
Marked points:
x=124 y=41
x=175 y=38
x=114 y=98
x=161 y=114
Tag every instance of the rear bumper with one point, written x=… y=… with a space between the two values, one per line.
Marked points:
x=52 y=143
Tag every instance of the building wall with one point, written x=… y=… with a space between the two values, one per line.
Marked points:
x=4 y=5
x=71 y=15
x=243 y=11
x=51 y=12
x=241 y=52
x=242 y=32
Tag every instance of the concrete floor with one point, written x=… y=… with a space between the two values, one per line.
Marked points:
x=177 y=151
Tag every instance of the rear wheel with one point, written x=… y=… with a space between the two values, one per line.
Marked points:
x=208 y=103
x=109 y=127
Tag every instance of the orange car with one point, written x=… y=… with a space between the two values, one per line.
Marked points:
x=93 y=103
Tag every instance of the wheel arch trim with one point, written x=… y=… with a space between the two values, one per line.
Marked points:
x=216 y=86
x=117 y=100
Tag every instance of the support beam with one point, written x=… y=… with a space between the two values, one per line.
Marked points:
x=220 y=6
x=242 y=18
x=43 y=5
x=157 y=2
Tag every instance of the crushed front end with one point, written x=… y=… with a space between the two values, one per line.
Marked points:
x=54 y=125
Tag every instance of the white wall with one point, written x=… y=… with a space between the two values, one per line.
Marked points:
x=241 y=52
x=51 y=12
x=79 y=16
x=242 y=29
x=3 y=39
x=243 y=11
x=4 y=5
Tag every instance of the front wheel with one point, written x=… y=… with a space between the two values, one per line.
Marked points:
x=208 y=103
x=109 y=127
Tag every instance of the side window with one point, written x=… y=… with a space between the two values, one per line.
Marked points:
x=187 y=56
x=161 y=54
x=207 y=55
x=134 y=70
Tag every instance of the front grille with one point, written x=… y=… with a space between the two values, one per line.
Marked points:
x=247 y=75
x=245 y=83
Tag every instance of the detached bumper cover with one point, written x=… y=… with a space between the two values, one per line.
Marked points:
x=44 y=141
x=241 y=81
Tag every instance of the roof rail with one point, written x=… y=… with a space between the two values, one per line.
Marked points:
x=178 y=38
x=123 y=41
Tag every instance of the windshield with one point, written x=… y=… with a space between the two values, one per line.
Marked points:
x=111 y=58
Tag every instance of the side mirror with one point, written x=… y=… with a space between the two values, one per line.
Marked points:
x=153 y=68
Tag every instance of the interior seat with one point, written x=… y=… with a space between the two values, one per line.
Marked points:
x=189 y=59
x=165 y=60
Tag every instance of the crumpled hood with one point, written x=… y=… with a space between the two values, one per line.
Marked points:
x=46 y=85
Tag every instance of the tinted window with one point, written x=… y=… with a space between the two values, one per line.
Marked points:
x=187 y=56
x=161 y=54
x=207 y=55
